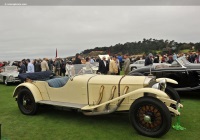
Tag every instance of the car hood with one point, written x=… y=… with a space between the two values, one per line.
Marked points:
x=14 y=74
x=193 y=66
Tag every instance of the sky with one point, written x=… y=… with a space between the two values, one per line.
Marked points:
x=36 y=31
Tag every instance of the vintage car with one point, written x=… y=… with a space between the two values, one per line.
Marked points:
x=9 y=74
x=140 y=64
x=137 y=64
x=185 y=73
x=150 y=108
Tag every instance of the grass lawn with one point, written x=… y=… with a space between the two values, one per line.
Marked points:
x=56 y=124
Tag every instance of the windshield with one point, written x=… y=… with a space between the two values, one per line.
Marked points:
x=10 y=68
x=183 y=61
x=78 y=69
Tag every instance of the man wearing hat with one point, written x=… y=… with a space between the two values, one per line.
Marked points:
x=148 y=60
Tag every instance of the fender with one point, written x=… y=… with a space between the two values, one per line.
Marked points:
x=168 y=80
x=34 y=90
x=135 y=92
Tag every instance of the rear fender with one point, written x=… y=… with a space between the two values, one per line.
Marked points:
x=34 y=90
x=137 y=93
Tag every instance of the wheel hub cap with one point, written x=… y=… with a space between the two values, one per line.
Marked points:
x=147 y=118
x=24 y=102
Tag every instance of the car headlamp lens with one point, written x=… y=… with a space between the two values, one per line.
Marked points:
x=156 y=86
x=163 y=85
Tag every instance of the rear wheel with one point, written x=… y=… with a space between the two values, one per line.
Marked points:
x=26 y=102
x=133 y=68
x=150 y=117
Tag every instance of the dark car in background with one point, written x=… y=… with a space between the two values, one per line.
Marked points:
x=185 y=73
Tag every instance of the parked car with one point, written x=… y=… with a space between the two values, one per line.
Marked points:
x=185 y=73
x=137 y=64
x=140 y=64
x=9 y=74
x=144 y=98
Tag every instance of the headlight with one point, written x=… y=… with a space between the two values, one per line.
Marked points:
x=156 y=86
x=163 y=84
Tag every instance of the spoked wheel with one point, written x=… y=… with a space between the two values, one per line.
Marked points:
x=26 y=102
x=150 y=117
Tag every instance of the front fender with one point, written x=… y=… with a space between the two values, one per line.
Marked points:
x=137 y=93
x=34 y=90
x=168 y=80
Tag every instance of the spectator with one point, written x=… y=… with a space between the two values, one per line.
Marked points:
x=198 y=58
x=126 y=64
x=57 y=66
x=30 y=66
x=37 y=66
x=103 y=66
x=22 y=67
x=148 y=60
x=120 y=61
x=91 y=60
x=174 y=56
x=50 y=64
x=44 y=65
x=63 y=70
x=77 y=59
x=113 y=68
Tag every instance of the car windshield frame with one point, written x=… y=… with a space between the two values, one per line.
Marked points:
x=182 y=61
x=81 y=69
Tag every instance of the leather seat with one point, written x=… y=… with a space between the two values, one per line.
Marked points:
x=58 y=82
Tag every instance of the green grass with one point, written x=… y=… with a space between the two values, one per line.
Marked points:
x=51 y=123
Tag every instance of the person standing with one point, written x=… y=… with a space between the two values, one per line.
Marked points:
x=30 y=66
x=120 y=61
x=77 y=59
x=57 y=66
x=22 y=67
x=44 y=65
x=37 y=66
x=113 y=68
x=126 y=64
x=148 y=60
x=103 y=66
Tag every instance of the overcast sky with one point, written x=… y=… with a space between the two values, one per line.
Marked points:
x=36 y=31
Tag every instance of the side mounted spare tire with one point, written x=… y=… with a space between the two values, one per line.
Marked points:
x=150 y=117
x=26 y=102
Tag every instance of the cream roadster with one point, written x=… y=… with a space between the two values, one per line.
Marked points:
x=149 y=107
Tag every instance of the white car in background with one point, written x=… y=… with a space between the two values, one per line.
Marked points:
x=137 y=64
x=9 y=74
x=140 y=63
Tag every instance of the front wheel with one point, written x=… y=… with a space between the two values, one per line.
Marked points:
x=26 y=102
x=150 y=117
x=172 y=93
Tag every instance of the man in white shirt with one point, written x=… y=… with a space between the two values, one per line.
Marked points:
x=30 y=67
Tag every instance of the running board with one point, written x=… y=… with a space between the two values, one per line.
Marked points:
x=62 y=104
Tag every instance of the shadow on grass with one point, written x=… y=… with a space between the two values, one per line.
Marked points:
x=64 y=113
